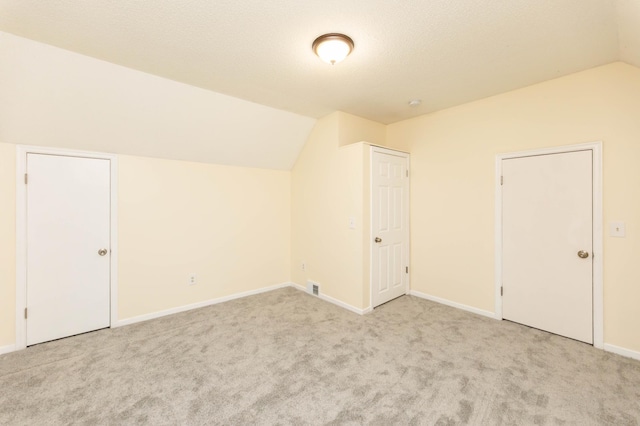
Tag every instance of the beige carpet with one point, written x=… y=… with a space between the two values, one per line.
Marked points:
x=285 y=357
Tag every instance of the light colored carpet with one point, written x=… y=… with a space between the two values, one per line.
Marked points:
x=285 y=357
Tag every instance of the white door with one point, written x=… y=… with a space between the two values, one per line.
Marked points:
x=547 y=243
x=68 y=253
x=389 y=225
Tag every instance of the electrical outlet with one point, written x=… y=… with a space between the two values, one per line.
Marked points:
x=192 y=279
x=303 y=266
x=352 y=222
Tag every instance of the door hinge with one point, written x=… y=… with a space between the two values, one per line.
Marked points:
x=501 y=180
x=501 y=291
x=25 y=179
x=406 y=269
x=407 y=172
x=25 y=313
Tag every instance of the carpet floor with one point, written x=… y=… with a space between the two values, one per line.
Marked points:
x=288 y=358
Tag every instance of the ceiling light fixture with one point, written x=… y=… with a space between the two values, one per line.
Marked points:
x=333 y=47
x=414 y=102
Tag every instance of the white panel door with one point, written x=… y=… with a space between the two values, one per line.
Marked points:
x=547 y=243
x=68 y=223
x=390 y=226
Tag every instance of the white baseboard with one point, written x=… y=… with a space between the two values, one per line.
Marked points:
x=6 y=349
x=607 y=347
x=298 y=287
x=197 y=305
x=334 y=301
x=622 y=351
x=453 y=304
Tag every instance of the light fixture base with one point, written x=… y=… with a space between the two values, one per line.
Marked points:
x=332 y=47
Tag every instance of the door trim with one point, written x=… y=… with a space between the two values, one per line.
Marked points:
x=21 y=231
x=407 y=200
x=598 y=306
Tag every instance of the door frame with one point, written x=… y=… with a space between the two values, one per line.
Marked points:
x=407 y=200
x=21 y=231
x=598 y=306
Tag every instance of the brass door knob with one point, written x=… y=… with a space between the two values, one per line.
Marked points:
x=583 y=254
x=378 y=240
x=102 y=252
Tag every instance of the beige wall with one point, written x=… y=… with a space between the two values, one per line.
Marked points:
x=229 y=225
x=452 y=181
x=327 y=188
x=7 y=244
x=353 y=129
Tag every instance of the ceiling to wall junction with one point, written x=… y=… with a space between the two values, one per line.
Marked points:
x=442 y=52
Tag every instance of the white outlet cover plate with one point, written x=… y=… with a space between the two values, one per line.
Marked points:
x=617 y=229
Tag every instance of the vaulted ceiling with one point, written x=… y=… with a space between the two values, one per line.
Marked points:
x=440 y=51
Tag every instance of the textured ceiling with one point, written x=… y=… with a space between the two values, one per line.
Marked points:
x=629 y=30
x=441 y=51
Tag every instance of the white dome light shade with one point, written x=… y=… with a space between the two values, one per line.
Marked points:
x=332 y=48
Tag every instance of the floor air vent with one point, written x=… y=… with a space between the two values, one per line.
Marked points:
x=313 y=288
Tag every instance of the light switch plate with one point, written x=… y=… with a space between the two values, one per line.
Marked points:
x=617 y=229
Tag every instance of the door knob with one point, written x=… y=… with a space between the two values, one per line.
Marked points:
x=378 y=240
x=102 y=252
x=583 y=254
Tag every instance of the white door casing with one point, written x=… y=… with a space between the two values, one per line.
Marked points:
x=67 y=225
x=66 y=213
x=389 y=225
x=597 y=230
x=546 y=221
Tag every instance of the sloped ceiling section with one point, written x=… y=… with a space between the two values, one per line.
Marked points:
x=440 y=51
x=236 y=82
x=54 y=97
